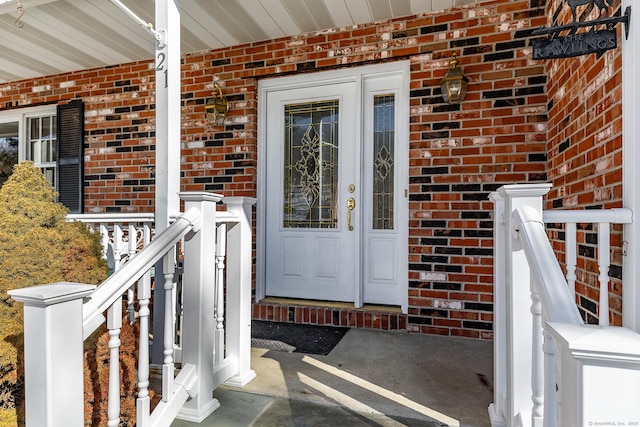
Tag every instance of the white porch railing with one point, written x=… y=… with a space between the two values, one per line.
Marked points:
x=551 y=369
x=122 y=236
x=58 y=317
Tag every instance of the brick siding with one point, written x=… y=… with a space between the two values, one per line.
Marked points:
x=379 y=319
x=585 y=155
x=458 y=153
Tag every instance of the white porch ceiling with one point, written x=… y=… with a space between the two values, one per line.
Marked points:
x=66 y=35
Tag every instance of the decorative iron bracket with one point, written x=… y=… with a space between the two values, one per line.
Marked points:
x=610 y=22
x=579 y=43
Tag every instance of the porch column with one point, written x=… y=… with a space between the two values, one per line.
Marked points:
x=167 y=167
x=239 y=273
x=53 y=354
x=167 y=113
x=519 y=321
x=631 y=171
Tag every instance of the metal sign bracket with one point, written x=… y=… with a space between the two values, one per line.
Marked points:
x=610 y=22
x=575 y=43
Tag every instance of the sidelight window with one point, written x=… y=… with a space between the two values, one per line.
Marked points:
x=383 y=165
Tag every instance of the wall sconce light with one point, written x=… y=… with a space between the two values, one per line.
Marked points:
x=217 y=106
x=454 y=83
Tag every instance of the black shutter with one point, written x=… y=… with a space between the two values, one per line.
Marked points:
x=70 y=151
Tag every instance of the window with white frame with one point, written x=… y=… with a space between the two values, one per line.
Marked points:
x=33 y=134
x=28 y=134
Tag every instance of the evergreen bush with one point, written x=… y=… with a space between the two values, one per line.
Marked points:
x=37 y=246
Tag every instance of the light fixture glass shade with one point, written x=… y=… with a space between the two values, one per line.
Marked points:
x=454 y=83
x=217 y=106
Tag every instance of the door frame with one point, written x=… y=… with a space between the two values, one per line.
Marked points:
x=354 y=74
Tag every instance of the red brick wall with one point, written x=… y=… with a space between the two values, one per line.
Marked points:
x=585 y=154
x=461 y=153
x=458 y=153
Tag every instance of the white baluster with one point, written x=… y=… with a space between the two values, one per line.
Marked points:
x=143 y=406
x=550 y=394
x=221 y=248
x=604 y=261
x=178 y=297
x=133 y=245
x=104 y=233
x=117 y=246
x=537 y=371
x=571 y=256
x=169 y=327
x=146 y=235
x=114 y=324
x=132 y=240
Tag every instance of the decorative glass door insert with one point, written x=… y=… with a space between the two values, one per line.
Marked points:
x=383 y=165
x=311 y=165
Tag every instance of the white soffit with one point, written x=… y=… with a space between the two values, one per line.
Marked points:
x=68 y=35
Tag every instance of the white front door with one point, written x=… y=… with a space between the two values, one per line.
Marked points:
x=333 y=178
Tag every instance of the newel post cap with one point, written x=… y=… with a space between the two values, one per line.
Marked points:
x=239 y=200
x=524 y=190
x=199 y=196
x=52 y=293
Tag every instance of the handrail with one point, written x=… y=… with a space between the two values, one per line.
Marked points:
x=558 y=303
x=221 y=216
x=112 y=217
x=111 y=289
x=613 y=216
x=226 y=217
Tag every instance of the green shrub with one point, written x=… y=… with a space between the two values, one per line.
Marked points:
x=37 y=246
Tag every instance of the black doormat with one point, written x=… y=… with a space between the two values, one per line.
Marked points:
x=310 y=339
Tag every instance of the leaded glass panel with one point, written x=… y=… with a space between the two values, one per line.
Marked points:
x=383 y=168
x=311 y=165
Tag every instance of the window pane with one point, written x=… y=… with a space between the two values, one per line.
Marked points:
x=50 y=174
x=311 y=165
x=46 y=128
x=34 y=128
x=42 y=144
x=35 y=151
x=8 y=149
x=383 y=169
x=45 y=154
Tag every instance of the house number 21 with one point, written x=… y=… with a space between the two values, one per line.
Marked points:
x=160 y=67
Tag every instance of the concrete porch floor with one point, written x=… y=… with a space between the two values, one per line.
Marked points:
x=371 y=378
